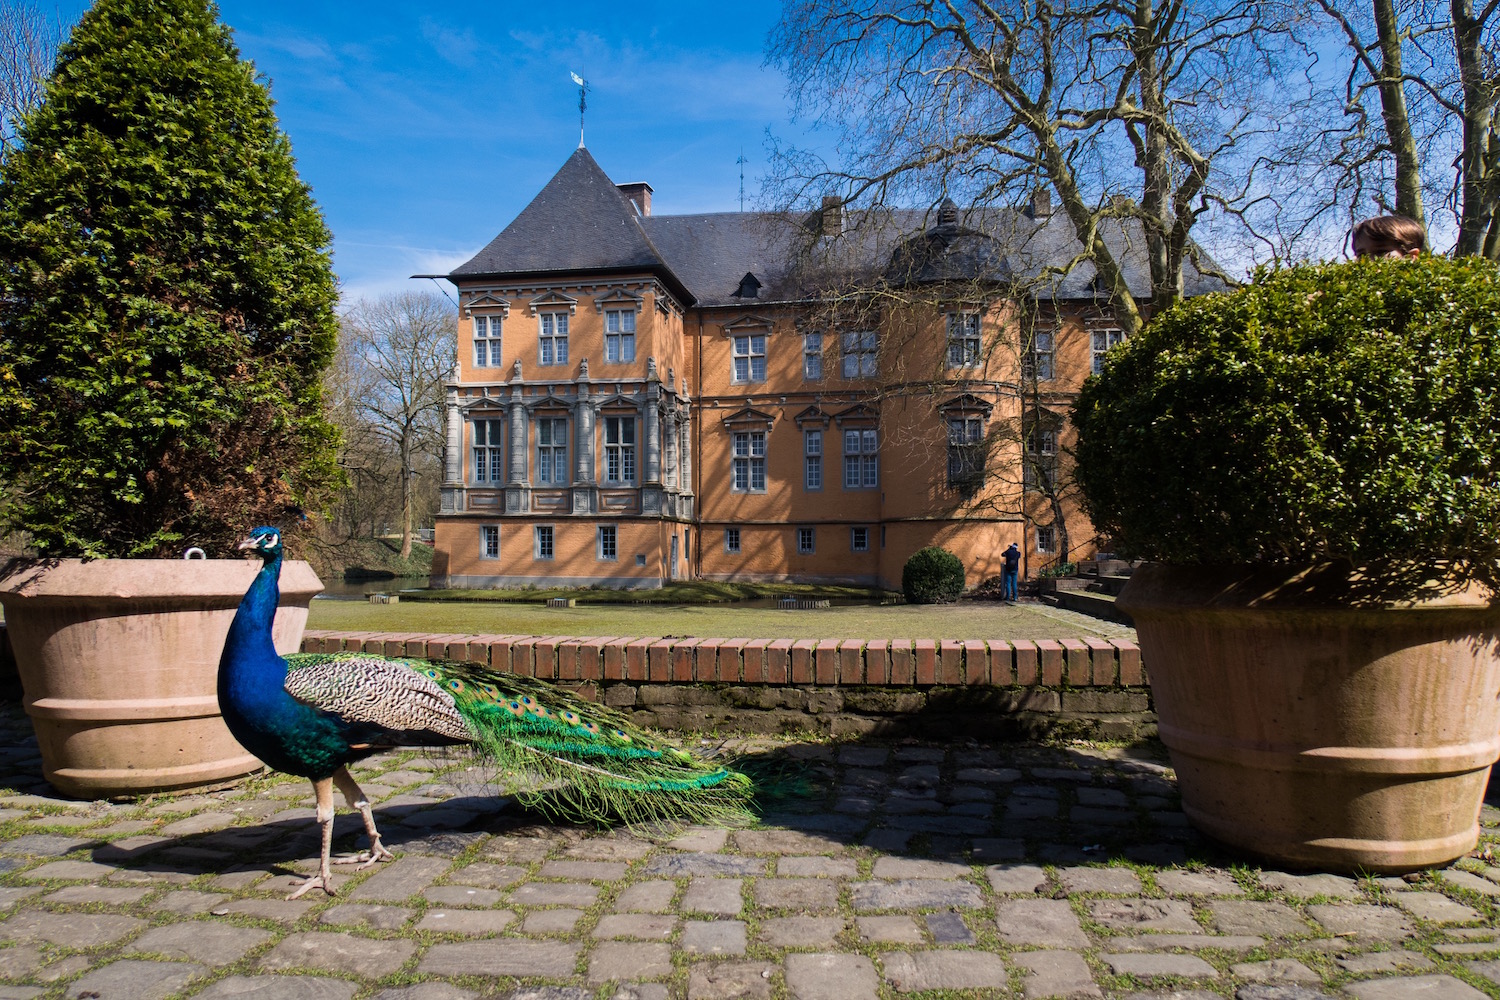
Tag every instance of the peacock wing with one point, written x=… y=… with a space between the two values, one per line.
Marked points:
x=392 y=694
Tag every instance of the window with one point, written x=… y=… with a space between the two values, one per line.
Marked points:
x=861 y=459
x=486 y=341
x=552 y=338
x=489 y=466
x=489 y=541
x=812 y=356
x=544 y=541
x=859 y=354
x=1103 y=341
x=807 y=541
x=750 y=358
x=1039 y=364
x=619 y=449
x=552 y=450
x=750 y=461
x=965 y=452
x=731 y=539
x=1041 y=459
x=859 y=539
x=1046 y=539
x=963 y=340
x=812 y=451
x=608 y=550
x=619 y=335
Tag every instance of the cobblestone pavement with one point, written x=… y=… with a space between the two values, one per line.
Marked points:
x=1007 y=871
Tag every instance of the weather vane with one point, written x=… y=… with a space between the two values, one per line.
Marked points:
x=583 y=94
x=741 y=162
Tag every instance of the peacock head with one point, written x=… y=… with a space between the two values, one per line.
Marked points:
x=266 y=542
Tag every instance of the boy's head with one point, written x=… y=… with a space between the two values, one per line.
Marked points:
x=1389 y=236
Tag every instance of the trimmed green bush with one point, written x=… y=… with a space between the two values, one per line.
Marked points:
x=932 y=576
x=1339 y=411
x=166 y=298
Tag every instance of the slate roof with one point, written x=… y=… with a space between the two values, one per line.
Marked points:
x=581 y=224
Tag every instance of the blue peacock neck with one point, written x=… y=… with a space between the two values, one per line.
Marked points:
x=250 y=664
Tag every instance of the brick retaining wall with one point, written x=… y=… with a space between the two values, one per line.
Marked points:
x=985 y=689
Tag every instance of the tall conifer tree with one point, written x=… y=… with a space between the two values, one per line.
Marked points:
x=166 y=297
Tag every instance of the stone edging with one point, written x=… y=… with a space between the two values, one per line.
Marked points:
x=1076 y=663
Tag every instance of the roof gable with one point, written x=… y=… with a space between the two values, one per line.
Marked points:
x=578 y=222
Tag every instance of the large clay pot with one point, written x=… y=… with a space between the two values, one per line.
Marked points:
x=1317 y=722
x=119 y=660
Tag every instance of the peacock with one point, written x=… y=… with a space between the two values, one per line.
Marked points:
x=314 y=714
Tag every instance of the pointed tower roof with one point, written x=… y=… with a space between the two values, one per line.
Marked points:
x=580 y=223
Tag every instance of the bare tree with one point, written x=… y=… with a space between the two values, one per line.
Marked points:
x=29 y=41
x=400 y=350
x=1408 y=125
x=1138 y=115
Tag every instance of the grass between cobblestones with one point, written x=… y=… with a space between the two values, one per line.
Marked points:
x=956 y=820
x=976 y=620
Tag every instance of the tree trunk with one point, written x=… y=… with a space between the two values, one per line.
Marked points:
x=1152 y=157
x=1393 y=109
x=1477 y=157
x=1070 y=198
x=406 y=493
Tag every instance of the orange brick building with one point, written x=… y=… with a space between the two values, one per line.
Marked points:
x=751 y=396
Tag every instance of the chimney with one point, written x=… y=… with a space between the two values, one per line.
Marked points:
x=1041 y=203
x=832 y=215
x=639 y=193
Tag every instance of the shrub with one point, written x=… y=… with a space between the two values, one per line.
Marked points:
x=1338 y=411
x=932 y=576
x=166 y=297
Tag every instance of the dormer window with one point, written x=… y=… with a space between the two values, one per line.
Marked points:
x=749 y=287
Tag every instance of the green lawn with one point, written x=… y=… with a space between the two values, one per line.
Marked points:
x=961 y=621
x=684 y=592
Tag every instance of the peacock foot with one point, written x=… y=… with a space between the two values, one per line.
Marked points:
x=365 y=859
x=314 y=882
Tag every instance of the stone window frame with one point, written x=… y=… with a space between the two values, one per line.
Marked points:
x=488 y=533
x=607 y=542
x=807 y=540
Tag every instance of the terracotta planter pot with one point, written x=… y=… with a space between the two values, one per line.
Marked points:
x=119 y=660
x=1317 y=733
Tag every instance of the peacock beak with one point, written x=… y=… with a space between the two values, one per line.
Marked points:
x=248 y=543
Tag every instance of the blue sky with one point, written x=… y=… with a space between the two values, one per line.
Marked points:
x=423 y=129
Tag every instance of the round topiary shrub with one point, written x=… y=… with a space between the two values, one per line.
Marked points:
x=1338 y=411
x=932 y=576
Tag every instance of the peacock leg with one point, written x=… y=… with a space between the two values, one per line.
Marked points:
x=357 y=800
x=323 y=792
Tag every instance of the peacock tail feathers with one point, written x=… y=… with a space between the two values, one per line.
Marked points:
x=596 y=766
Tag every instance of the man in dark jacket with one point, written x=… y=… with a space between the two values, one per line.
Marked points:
x=1012 y=557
